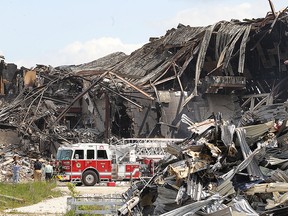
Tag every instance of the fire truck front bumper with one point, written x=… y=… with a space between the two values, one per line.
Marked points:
x=63 y=177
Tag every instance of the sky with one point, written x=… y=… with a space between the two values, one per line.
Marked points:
x=68 y=32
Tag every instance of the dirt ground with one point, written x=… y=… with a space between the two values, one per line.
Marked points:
x=58 y=206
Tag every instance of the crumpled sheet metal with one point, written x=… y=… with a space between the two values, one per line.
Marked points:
x=241 y=205
x=253 y=168
x=192 y=208
x=202 y=167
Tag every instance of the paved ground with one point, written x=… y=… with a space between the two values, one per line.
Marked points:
x=58 y=206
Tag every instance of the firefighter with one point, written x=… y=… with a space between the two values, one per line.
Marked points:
x=37 y=170
x=147 y=197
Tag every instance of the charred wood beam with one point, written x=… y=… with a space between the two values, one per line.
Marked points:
x=159 y=77
x=131 y=85
x=274 y=22
x=113 y=80
x=155 y=74
x=156 y=92
x=17 y=102
x=178 y=78
x=272 y=8
x=163 y=81
x=79 y=96
x=125 y=98
x=56 y=100
x=188 y=60
x=215 y=69
x=259 y=40
x=27 y=112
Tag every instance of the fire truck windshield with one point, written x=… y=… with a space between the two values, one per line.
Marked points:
x=64 y=154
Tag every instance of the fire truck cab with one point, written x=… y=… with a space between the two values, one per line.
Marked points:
x=90 y=163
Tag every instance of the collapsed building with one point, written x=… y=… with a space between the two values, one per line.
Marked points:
x=231 y=67
x=186 y=77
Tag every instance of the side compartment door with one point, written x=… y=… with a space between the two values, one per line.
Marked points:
x=91 y=158
x=78 y=163
x=104 y=164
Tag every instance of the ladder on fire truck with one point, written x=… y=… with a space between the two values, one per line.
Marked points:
x=153 y=148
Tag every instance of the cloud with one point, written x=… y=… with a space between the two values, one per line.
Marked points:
x=213 y=11
x=82 y=52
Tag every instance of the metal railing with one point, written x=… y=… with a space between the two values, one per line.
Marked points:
x=95 y=205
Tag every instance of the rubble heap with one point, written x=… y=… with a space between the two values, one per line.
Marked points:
x=26 y=166
x=33 y=112
x=220 y=169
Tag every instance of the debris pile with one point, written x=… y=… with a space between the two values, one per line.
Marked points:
x=220 y=169
x=238 y=68
x=32 y=112
x=6 y=167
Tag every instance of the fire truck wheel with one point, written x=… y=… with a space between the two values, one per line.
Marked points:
x=90 y=178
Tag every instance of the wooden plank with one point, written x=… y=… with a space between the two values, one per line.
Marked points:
x=200 y=61
x=229 y=52
x=268 y=188
x=242 y=49
x=11 y=197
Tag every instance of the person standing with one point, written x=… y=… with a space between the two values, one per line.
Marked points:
x=48 y=171
x=16 y=171
x=37 y=170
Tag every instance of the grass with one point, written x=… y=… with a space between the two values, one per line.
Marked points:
x=26 y=193
x=86 y=208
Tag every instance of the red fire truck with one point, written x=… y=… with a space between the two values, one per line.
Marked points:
x=127 y=158
x=90 y=163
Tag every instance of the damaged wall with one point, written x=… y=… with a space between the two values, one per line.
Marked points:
x=228 y=105
x=9 y=136
x=172 y=75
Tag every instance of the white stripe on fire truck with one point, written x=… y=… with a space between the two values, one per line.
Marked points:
x=128 y=173
x=73 y=173
x=105 y=173
x=80 y=173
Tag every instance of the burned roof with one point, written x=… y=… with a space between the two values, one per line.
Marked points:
x=255 y=49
